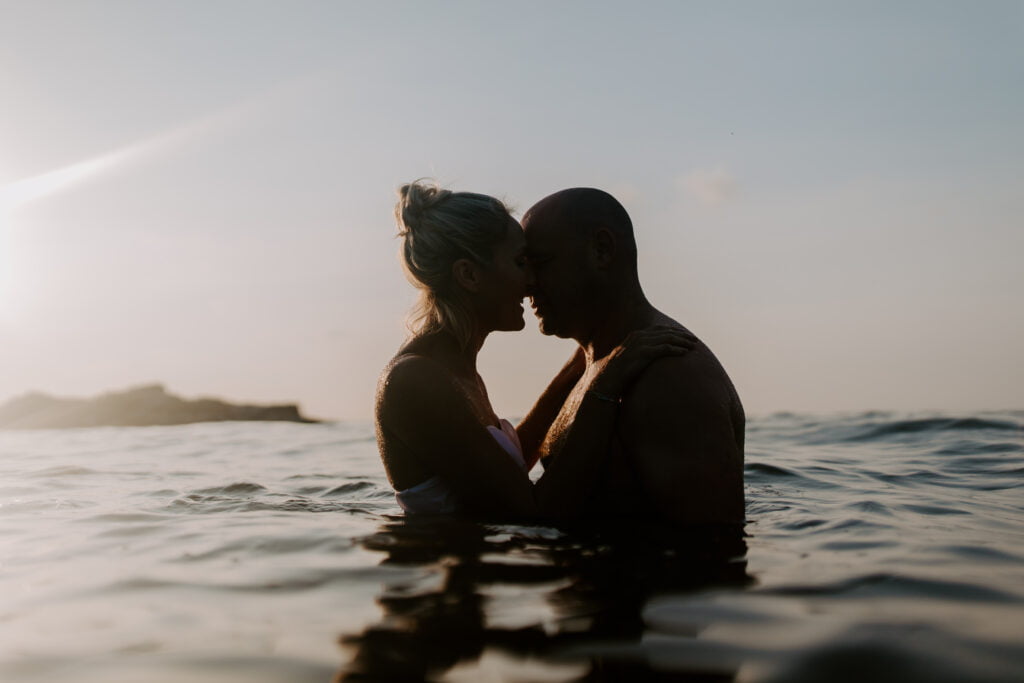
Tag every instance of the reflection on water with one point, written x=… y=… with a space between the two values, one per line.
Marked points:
x=501 y=597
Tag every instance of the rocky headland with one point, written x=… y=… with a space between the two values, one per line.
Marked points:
x=136 y=407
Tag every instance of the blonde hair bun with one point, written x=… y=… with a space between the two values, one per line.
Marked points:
x=414 y=200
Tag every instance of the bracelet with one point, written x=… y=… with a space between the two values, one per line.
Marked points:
x=602 y=397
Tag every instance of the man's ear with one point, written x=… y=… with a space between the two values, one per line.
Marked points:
x=466 y=274
x=603 y=245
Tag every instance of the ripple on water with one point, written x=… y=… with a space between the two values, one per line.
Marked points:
x=807 y=637
x=857 y=545
x=980 y=552
x=123 y=517
x=297 y=505
x=318 y=475
x=855 y=525
x=198 y=504
x=801 y=524
x=349 y=488
x=309 y=490
x=978 y=448
x=761 y=472
x=282 y=580
x=259 y=546
x=141 y=663
x=239 y=487
x=44 y=504
x=902 y=586
x=918 y=478
x=770 y=470
x=873 y=507
x=871 y=432
x=896 y=652
x=933 y=509
x=132 y=530
x=64 y=471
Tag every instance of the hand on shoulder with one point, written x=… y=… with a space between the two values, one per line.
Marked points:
x=632 y=358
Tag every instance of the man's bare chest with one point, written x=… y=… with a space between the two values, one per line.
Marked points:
x=557 y=433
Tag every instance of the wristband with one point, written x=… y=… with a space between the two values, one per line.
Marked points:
x=602 y=397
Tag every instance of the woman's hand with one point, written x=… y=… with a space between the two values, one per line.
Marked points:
x=537 y=422
x=628 y=360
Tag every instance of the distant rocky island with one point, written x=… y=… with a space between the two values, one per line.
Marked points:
x=136 y=407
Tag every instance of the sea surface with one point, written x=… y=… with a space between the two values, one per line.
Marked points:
x=879 y=546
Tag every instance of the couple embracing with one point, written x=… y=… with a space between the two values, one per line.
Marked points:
x=641 y=423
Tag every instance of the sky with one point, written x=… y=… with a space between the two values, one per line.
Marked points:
x=831 y=195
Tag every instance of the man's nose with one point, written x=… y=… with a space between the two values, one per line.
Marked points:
x=531 y=280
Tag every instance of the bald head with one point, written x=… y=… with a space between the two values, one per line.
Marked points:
x=582 y=211
x=583 y=257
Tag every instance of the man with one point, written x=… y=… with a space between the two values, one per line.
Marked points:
x=678 y=451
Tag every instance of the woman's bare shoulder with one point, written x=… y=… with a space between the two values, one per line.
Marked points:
x=410 y=368
x=422 y=362
x=414 y=386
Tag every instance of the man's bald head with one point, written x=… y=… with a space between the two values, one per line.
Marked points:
x=583 y=257
x=582 y=211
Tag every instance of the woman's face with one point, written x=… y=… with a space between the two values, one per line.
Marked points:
x=507 y=281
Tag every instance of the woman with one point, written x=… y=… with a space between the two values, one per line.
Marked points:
x=443 y=447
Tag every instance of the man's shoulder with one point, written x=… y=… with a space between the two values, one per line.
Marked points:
x=686 y=396
x=696 y=376
x=699 y=365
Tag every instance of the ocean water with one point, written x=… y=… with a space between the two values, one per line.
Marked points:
x=879 y=547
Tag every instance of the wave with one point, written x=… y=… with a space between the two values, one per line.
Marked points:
x=866 y=428
x=770 y=470
x=238 y=487
x=968 y=424
x=902 y=586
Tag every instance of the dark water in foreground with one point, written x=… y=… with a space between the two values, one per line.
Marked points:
x=879 y=547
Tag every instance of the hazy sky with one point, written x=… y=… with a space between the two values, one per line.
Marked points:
x=200 y=193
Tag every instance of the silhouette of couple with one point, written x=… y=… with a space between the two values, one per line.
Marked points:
x=641 y=423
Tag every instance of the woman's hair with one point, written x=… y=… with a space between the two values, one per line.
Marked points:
x=439 y=227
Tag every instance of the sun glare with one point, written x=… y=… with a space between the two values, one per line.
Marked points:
x=7 y=274
x=23 y=191
x=15 y=195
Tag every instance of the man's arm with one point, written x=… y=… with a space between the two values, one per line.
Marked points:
x=678 y=426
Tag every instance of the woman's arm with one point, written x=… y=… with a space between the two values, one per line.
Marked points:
x=423 y=408
x=422 y=405
x=535 y=425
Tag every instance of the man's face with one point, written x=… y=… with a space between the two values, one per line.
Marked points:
x=559 y=293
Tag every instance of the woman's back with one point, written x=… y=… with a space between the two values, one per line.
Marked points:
x=406 y=463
